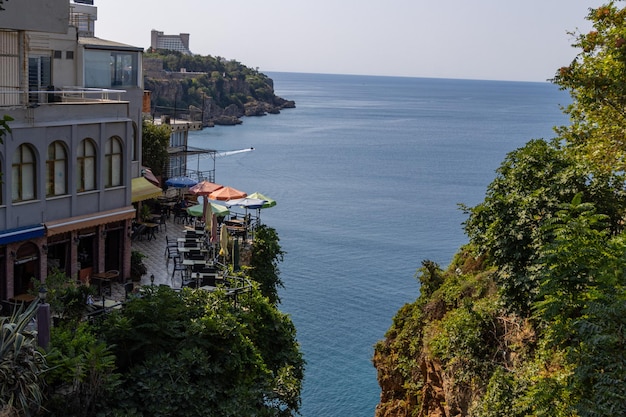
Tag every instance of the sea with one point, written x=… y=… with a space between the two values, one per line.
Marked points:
x=368 y=173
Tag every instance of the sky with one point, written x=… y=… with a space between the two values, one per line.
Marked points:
x=522 y=40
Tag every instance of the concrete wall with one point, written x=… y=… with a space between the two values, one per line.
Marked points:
x=36 y=15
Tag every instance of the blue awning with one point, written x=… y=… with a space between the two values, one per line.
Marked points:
x=21 y=233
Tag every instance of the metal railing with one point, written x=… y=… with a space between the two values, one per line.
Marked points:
x=71 y=94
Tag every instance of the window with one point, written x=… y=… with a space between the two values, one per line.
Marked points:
x=57 y=54
x=69 y=54
x=39 y=77
x=56 y=169
x=106 y=69
x=86 y=166
x=113 y=163
x=23 y=181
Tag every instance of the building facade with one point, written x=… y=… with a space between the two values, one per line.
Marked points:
x=180 y=42
x=74 y=147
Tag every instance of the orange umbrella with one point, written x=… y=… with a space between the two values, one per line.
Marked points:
x=204 y=188
x=227 y=193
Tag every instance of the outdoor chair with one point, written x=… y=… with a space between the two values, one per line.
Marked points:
x=162 y=222
x=138 y=232
x=179 y=267
x=170 y=244
x=172 y=253
x=181 y=216
x=129 y=287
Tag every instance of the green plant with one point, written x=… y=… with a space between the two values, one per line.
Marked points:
x=145 y=213
x=137 y=266
x=232 y=361
x=266 y=254
x=82 y=372
x=21 y=364
x=67 y=298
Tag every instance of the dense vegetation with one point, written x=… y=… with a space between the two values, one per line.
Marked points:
x=529 y=318
x=166 y=353
x=155 y=139
x=224 y=82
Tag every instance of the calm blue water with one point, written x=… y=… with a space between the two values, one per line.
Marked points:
x=367 y=173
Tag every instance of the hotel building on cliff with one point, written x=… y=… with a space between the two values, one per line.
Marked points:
x=73 y=156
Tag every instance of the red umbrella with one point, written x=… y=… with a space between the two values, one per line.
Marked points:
x=227 y=193
x=204 y=188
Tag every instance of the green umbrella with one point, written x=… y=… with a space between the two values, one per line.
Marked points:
x=268 y=201
x=198 y=210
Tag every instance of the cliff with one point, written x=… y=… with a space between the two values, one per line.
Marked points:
x=442 y=351
x=213 y=90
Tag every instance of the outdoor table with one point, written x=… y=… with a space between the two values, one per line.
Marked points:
x=235 y=222
x=151 y=229
x=186 y=240
x=192 y=248
x=104 y=278
x=237 y=230
x=23 y=298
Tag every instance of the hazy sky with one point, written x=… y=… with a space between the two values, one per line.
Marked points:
x=522 y=40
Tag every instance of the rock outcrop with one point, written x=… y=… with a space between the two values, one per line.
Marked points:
x=215 y=98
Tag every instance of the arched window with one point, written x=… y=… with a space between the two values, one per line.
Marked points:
x=24 y=170
x=113 y=163
x=56 y=169
x=86 y=166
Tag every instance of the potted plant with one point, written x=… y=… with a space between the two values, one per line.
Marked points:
x=137 y=267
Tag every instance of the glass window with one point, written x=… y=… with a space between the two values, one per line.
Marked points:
x=106 y=69
x=86 y=166
x=56 y=169
x=113 y=163
x=23 y=186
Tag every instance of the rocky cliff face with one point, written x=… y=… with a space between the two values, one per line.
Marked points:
x=444 y=350
x=216 y=100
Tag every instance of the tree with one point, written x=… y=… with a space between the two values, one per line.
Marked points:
x=531 y=185
x=194 y=353
x=596 y=82
x=155 y=141
x=582 y=307
x=21 y=364
x=266 y=254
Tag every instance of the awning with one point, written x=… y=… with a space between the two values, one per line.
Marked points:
x=89 y=220
x=142 y=189
x=21 y=233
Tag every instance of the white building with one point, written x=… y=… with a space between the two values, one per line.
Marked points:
x=74 y=150
x=179 y=42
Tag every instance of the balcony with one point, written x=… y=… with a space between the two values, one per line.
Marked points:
x=18 y=98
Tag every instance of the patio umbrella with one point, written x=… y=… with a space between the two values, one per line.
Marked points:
x=227 y=193
x=149 y=175
x=180 y=182
x=246 y=202
x=204 y=188
x=224 y=242
x=268 y=201
x=217 y=209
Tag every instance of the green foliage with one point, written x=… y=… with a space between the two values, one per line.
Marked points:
x=137 y=267
x=155 y=141
x=67 y=297
x=552 y=226
x=229 y=81
x=530 y=186
x=430 y=277
x=595 y=80
x=266 y=255
x=193 y=353
x=21 y=364
x=82 y=372
x=4 y=125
